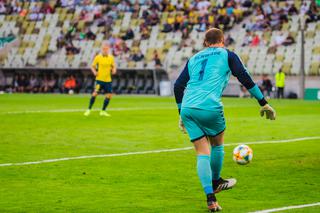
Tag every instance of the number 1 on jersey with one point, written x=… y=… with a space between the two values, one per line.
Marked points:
x=203 y=67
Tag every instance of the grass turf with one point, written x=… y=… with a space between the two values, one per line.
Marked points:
x=35 y=127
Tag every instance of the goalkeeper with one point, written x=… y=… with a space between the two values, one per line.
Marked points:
x=198 y=92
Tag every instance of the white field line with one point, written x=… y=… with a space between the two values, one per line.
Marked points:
x=149 y=152
x=83 y=110
x=109 y=109
x=287 y=208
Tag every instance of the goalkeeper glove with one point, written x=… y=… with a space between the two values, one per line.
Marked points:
x=269 y=111
x=181 y=126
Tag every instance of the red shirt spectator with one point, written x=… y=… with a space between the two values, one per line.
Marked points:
x=255 y=41
x=70 y=83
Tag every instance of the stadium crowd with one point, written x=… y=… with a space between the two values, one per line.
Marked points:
x=182 y=16
x=223 y=15
x=270 y=16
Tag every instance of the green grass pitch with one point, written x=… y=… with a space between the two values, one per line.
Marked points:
x=39 y=127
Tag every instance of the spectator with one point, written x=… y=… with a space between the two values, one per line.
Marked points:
x=70 y=33
x=283 y=17
x=293 y=10
x=113 y=13
x=84 y=15
x=128 y=35
x=247 y=38
x=51 y=83
x=279 y=39
x=44 y=86
x=304 y=8
x=72 y=50
x=124 y=48
x=2 y=82
x=90 y=35
x=13 y=84
x=145 y=34
x=178 y=22
x=16 y=8
x=3 y=9
x=313 y=13
x=124 y=6
x=69 y=85
x=137 y=56
x=202 y=23
x=211 y=20
x=35 y=13
x=274 y=21
x=22 y=83
x=117 y=47
x=280 y=83
x=34 y=84
x=81 y=36
x=46 y=8
x=203 y=6
x=229 y=9
x=67 y=3
x=228 y=40
x=289 y=40
x=112 y=40
x=23 y=13
x=266 y=86
x=168 y=26
x=255 y=40
x=153 y=18
x=60 y=40
x=156 y=59
x=267 y=8
x=97 y=11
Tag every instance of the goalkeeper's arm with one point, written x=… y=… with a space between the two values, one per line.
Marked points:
x=238 y=70
x=179 y=87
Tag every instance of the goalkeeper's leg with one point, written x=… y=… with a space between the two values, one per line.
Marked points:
x=217 y=157
x=202 y=147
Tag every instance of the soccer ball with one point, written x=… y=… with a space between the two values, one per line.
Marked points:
x=242 y=154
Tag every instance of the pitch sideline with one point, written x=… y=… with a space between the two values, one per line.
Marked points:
x=95 y=109
x=287 y=208
x=150 y=152
x=82 y=110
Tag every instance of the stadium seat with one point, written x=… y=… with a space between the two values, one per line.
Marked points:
x=315 y=68
x=286 y=67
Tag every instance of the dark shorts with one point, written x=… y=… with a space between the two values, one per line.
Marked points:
x=106 y=87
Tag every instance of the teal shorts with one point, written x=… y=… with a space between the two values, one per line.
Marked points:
x=200 y=123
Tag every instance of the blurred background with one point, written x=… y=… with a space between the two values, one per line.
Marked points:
x=47 y=46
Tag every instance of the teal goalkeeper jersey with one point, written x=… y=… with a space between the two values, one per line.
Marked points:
x=209 y=75
x=205 y=76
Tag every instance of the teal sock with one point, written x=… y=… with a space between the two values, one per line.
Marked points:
x=217 y=156
x=204 y=173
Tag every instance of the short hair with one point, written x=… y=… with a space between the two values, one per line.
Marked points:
x=105 y=43
x=213 y=36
